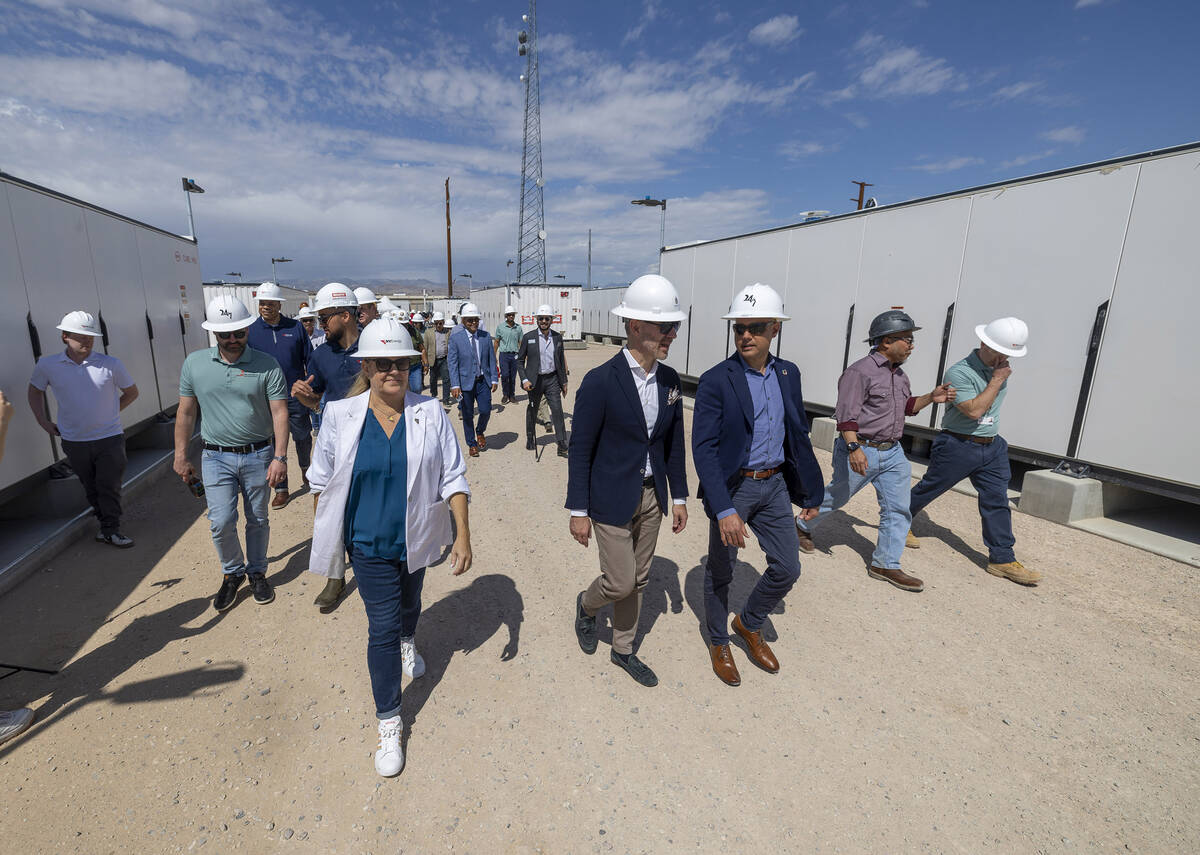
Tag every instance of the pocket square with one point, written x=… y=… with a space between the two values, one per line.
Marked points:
x=673 y=395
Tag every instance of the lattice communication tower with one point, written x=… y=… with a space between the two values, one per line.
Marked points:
x=531 y=235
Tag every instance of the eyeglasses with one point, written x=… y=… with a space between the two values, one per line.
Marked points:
x=667 y=327
x=225 y=336
x=385 y=365
x=756 y=328
x=907 y=339
x=545 y=318
x=324 y=319
x=470 y=320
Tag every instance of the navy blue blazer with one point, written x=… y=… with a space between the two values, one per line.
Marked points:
x=723 y=428
x=606 y=462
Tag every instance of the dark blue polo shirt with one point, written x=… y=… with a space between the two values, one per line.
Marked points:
x=287 y=342
x=333 y=369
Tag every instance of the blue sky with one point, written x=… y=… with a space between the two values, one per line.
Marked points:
x=324 y=132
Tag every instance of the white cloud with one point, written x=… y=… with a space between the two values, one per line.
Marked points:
x=1017 y=90
x=650 y=13
x=777 y=31
x=1083 y=4
x=1025 y=159
x=124 y=85
x=1069 y=134
x=948 y=165
x=895 y=70
x=798 y=150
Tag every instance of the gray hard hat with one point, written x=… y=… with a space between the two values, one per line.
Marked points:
x=890 y=322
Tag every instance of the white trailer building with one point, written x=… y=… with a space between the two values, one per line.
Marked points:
x=58 y=254
x=565 y=300
x=597 y=318
x=1100 y=260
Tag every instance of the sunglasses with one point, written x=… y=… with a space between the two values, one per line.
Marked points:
x=385 y=365
x=666 y=327
x=324 y=319
x=908 y=339
x=757 y=328
x=226 y=336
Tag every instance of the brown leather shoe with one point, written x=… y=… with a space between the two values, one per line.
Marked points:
x=760 y=653
x=1016 y=571
x=898 y=578
x=723 y=666
x=280 y=500
x=806 y=541
x=473 y=451
x=482 y=440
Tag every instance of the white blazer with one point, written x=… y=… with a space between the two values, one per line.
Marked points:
x=436 y=471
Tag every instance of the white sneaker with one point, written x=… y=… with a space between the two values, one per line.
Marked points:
x=414 y=665
x=13 y=722
x=389 y=759
x=117 y=539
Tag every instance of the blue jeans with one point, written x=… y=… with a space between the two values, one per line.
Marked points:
x=765 y=507
x=301 y=429
x=508 y=374
x=415 y=375
x=952 y=459
x=891 y=474
x=392 y=599
x=226 y=476
x=481 y=395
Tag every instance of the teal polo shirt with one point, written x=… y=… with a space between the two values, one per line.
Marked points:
x=509 y=337
x=234 y=398
x=970 y=377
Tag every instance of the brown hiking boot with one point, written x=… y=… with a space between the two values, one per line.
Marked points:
x=898 y=578
x=1016 y=571
x=911 y=541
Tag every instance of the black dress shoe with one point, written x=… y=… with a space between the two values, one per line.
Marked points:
x=585 y=627
x=562 y=449
x=529 y=444
x=636 y=668
x=261 y=589
x=228 y=593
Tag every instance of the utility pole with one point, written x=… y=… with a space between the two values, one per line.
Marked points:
x=449 y=275
x=589 y=259
x=862 y=189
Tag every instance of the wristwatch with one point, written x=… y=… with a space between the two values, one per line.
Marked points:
x=280 y=459
x=850 y=446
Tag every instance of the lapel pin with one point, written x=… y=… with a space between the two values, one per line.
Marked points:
x=783 y=371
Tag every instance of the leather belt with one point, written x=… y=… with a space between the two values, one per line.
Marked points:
x=980 y=440
x=648 y=481
x=759 y=474
x=881 y=444
x=239 y=449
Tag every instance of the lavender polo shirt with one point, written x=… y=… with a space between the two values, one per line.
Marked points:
x=874 y=396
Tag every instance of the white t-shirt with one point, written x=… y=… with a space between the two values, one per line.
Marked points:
x=88 y=394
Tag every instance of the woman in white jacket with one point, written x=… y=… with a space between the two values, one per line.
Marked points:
x=390 y=474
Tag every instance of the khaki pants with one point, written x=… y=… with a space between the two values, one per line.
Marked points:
x=625 y=555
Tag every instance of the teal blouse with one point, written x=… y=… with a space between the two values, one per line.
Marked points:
x=377 y=507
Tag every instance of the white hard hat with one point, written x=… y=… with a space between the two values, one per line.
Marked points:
x=1004 y=335
x=650 y=298
x=334 y=295
x=83 y=323
x=268 y=291
x=226 y=313
x=509 y=310
x=306 y=313
x=383 y=303
x=469 y=310
x=438 y=316
x=385 y=337
x=544 y=310
x=364 y=296
x=756 y=301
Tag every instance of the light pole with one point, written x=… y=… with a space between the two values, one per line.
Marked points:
x=238 y=275
x=662 y=228
x=275 y=278
x=190 y=187
x=464 y=276
x=559 y=276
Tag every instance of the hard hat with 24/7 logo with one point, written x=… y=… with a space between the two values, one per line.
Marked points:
x=226 y=313
x=385 y=337
x=1005 y=335
x=650 y=298
x=81 y=323
x=335 y=295
x=756 y=301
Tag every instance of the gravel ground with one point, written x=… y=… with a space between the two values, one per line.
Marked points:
x=976 y=716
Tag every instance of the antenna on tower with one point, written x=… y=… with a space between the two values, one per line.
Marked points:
x=531 y=233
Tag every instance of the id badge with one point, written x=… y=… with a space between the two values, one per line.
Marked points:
x=987 y=421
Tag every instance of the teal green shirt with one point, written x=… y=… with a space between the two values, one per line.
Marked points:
x=509 y=337
x=234 y=398
x=377 y=507
x=970 y=377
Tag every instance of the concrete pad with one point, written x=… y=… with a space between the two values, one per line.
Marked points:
x=1169 y=532
x=824 y=432
x=1061 y=498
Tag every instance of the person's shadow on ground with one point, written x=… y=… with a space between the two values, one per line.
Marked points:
x=84 y=681
x=661 y=594
x=745 y=577
x=462 y=621
x=924 y=527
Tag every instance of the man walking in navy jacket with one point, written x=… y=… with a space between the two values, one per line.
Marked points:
x=626 y=450
x=754 y=460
